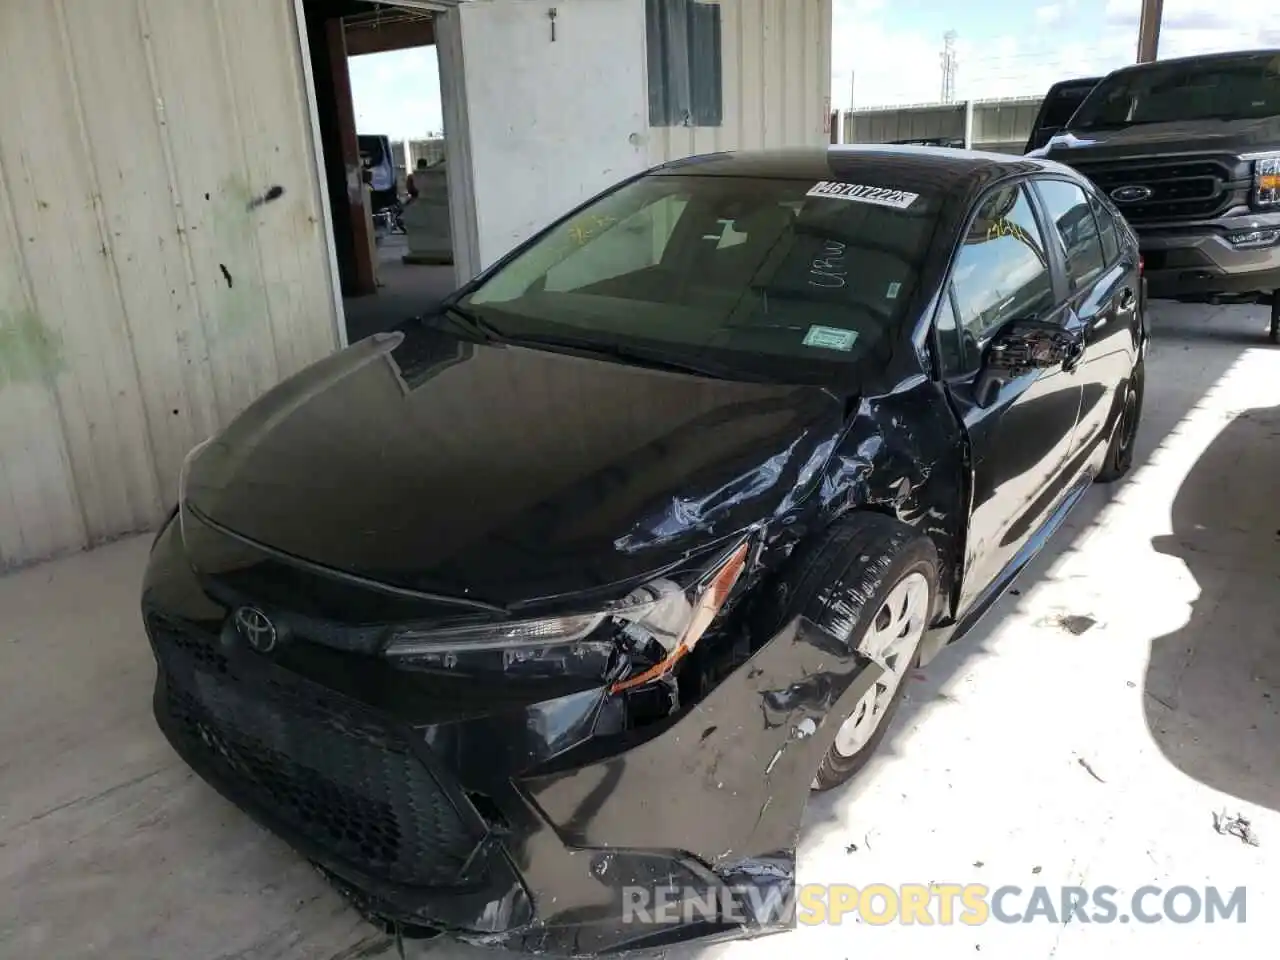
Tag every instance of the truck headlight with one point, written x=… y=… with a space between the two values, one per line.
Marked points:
x=1266 y=181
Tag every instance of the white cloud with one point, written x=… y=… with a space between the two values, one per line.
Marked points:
x=397 y=93
x=1048 y=14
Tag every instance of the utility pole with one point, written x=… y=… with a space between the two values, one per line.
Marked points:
x=949 y=64
x=1149 y=30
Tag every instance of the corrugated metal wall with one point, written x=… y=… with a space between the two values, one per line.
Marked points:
x=776 y=67
x=147 y=293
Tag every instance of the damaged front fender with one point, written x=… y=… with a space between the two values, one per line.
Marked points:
x=722 y=788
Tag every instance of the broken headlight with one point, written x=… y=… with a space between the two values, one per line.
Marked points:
x=662 y=619
x=493 y=636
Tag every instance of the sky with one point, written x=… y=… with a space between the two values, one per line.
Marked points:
x=397 y=93
x=888 y=52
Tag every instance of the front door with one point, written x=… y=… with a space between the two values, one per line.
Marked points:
x=1019 y=441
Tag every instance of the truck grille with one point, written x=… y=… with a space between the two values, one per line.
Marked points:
x=1180 y=189
x=319 y=764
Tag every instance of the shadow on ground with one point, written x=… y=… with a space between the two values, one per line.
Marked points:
x=1213 y=687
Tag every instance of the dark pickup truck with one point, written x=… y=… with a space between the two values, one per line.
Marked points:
x=1189 y=151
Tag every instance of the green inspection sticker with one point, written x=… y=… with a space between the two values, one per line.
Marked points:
x=830 y=338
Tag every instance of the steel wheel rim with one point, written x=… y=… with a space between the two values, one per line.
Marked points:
x=891 y=641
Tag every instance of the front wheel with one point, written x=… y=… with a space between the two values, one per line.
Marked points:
x=869 y=580
x=891 y=639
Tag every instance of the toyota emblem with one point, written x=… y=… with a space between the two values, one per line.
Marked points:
x=256 y=628
x=1133 y=193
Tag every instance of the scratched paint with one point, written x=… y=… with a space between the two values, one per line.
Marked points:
x=30 y=351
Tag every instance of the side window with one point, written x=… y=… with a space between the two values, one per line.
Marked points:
x=1106 y=230
x=1071 y=213
x=1001 y=272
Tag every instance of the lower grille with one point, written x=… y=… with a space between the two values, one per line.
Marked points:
x=315 y=762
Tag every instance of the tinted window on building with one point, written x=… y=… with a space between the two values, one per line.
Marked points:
x=685 y=71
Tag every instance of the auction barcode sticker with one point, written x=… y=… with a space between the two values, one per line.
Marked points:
x=861 y=193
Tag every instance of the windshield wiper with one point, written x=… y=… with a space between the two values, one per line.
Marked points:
x=654 y=359
x=472 y=322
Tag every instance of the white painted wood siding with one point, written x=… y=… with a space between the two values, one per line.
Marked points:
x=777 y=81
x=144 y=297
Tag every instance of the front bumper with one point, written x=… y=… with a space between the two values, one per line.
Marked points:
x=496 y=812
x=1200 y=263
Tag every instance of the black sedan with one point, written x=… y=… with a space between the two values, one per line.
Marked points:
x=580 y=586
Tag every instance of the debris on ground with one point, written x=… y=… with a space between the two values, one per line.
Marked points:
x=851 y=848
x=1092 y=772
x=1035 y=869
x=1130 y=684
x=977 y=864
x=1074 y=623
x=1237 y=826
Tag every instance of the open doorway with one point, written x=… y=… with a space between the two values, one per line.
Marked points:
x=379 y=110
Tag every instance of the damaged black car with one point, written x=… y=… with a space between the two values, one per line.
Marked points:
x=584 y=583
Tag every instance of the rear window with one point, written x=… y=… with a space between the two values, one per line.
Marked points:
x=1062 y=102
x=1220 y=88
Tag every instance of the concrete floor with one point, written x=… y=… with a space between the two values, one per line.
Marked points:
x=1025 y=755
x=405 y=290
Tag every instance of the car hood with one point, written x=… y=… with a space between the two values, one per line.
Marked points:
x=505 y=474
x=1183 y=136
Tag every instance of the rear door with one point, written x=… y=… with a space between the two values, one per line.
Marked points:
x=1005 y=270
x=1103 y=305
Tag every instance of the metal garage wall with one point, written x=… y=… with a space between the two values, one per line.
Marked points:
x=163 y=257
x=777 y=81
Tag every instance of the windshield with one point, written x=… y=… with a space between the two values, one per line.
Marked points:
x=371 y=150
x=1221 y=88
x=784 y=280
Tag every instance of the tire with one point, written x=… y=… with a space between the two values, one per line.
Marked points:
x=1120 y=451
x=841 y=582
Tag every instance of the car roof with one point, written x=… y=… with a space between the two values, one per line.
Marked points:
x=932 y=170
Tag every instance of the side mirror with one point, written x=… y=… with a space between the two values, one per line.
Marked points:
x=1045 y=134
x=1018 y=348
